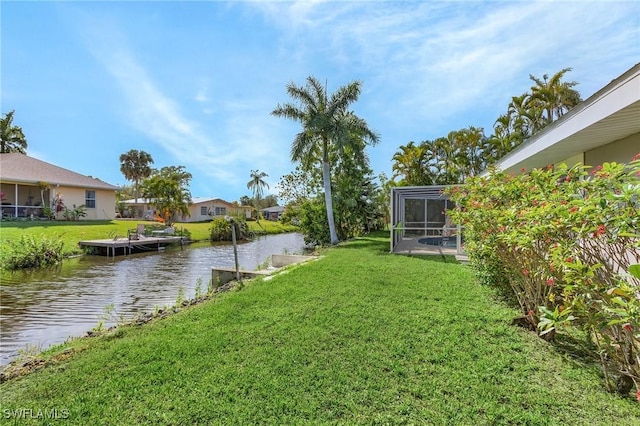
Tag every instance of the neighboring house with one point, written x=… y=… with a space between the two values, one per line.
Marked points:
x=603 y=128
x=30 y=184
x=200 y=209
x=272 y=213
x=203 y=209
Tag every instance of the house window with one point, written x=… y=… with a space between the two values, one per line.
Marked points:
x=203 y=210
x=221 y=211
x=90 y=199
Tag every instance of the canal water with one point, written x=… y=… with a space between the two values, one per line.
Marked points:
x=46 y=307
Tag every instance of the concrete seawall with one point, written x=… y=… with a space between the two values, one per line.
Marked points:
x=220 y=276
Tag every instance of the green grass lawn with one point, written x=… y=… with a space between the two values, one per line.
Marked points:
x=73 y=232
x=358 y=337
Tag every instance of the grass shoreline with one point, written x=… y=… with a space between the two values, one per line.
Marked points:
x=73 y=232
x=358 y=337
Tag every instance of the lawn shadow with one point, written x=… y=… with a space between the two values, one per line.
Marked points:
x=577 y=349
x=436 y=258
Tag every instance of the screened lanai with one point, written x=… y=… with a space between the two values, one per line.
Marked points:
x=420 y=223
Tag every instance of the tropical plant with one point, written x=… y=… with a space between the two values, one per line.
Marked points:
x=135 y=166
x=326 y=124
x=443 y=161
x=411 y=164
x=257 y=184
x=462 y=153
x=77 y=212
x=167 y=189
x=565 y=241
x=12 y=138
x=553 y=96
x=549 y=99
x=220 y=229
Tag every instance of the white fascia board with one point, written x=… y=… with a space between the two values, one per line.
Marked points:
x=563 y=134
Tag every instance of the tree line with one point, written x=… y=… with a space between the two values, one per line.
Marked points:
x=467 y=152
x=333 y=194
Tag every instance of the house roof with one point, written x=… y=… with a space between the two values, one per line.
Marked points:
x=20 y=168
x=611 y=114
x=274 y=209
x=194 y=201
x=200 y=200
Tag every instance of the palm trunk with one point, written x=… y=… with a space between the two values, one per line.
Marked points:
x=329 y=201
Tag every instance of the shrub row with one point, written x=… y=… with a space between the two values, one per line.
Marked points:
x=565 y=243
x=34 y=251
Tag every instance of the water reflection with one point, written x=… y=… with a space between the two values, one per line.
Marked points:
x=46 y=307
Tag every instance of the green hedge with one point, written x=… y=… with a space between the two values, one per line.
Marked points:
x=563 y=242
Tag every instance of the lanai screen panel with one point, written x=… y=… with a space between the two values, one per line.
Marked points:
x=418 y=211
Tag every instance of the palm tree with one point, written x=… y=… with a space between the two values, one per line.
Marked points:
x=554 y=96
x=256 y=184
x=326 y=124
x=11 y=137
x=411 y=163
x=134 y=165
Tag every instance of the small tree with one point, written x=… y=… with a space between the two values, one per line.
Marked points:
x=168 y=190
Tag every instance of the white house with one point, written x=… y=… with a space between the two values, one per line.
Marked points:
x=200 y=209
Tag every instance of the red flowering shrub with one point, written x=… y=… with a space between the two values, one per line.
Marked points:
x=563 y=242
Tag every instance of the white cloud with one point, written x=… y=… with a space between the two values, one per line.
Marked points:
x=160 y=118
x=438 y=59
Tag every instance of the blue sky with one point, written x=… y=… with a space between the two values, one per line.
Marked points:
x=193 y=83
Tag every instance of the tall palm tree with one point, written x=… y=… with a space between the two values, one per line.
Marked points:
x=12 y=138
x=326 y=124
x=135 y=166
x=256 y=184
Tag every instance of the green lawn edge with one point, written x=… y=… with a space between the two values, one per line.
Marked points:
x=73 y=232
x=359 y=336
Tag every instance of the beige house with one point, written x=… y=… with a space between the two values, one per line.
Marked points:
x=28 y=185
x=200 y=209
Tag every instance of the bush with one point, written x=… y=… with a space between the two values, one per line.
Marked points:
x=75 y=213
x=33 y=252
x=220 y=229
x=314 y=224
x=564 y=240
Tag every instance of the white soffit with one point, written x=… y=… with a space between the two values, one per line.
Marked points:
x=611 y=114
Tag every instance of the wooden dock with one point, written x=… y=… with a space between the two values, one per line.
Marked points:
x=124 y=246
